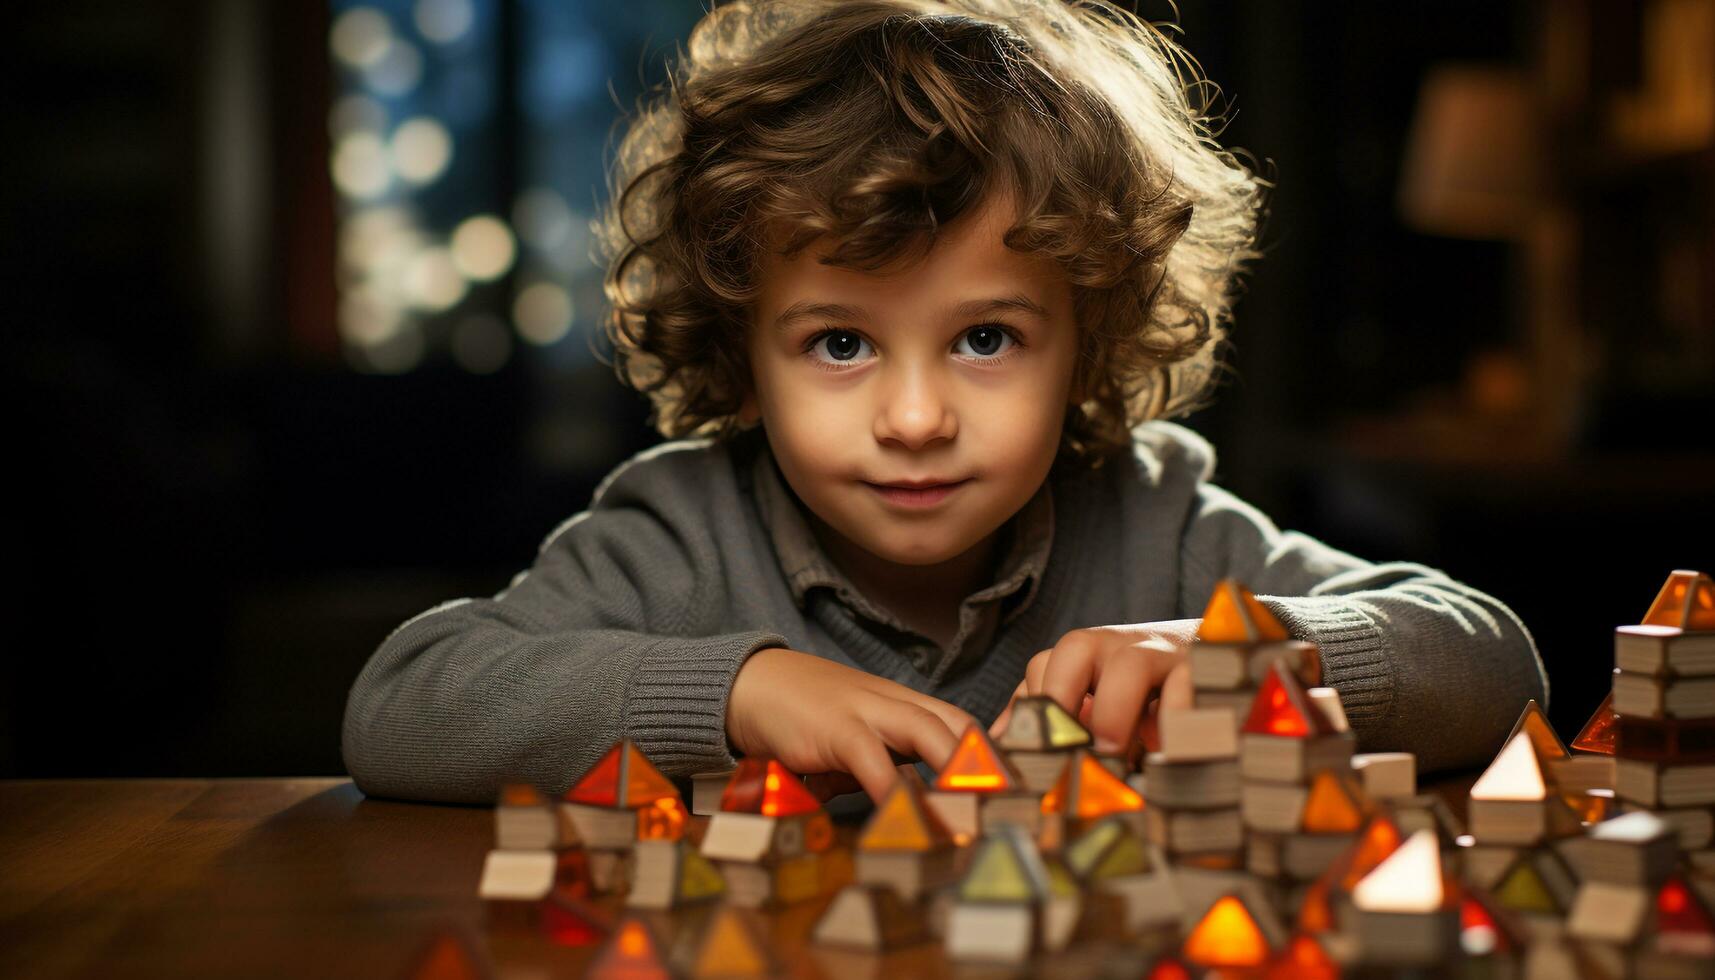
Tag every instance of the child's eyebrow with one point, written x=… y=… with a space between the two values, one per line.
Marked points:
x=805 y=309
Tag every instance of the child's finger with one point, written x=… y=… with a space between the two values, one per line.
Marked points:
x=827 y=785
x=1034 y=671
x=955 y=718
x=865 y=757
x=1124 y=685
x=914 y=730
x=1072 y=669
x=1176 y=689
x=1006 y=712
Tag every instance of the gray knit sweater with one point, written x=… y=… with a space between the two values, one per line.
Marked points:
x=639 y=611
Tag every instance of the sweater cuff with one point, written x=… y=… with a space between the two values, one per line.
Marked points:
x=676 y=708
x=1353 y=650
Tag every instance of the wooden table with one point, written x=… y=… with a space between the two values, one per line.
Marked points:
x=288 y=878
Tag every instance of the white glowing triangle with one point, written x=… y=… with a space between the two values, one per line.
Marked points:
x=1637 y=827
x=1408 y=881
x=1514 y=775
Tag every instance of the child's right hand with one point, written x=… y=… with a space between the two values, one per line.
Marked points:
x=818 y=716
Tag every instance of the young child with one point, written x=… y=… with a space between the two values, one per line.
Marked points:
x=921 y=278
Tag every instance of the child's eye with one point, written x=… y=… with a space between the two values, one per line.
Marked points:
x=985 y=342
x=840 y=347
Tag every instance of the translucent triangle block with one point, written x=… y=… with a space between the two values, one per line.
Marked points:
x=1282 y=708
x=1686 y=601
x=1678 y=910
x=570 y=922
x=1514 y=775
x=1480 y=933
x=622 y=778
x=1064 y=732
x=521 y=794
x=1409 y=881
x=1168 y=968
x=999 y=873
x=1226 y=936
x=572 y=874
x=633 y=953
x=664 y=819
x=1316 y=910
x=1128 y=856
x=977 y=767
x=904 y=823
x=1332 y=806
x=1234 y=616
x=1378 y=841
x=1303 y=958
x=730 y=947
x=1088 y=791
x=1597 y=735
x=763 y=785
x=1522 y=890
x=1038 y=724
x=698 y=876
x=447 y=957
x=1533 y=723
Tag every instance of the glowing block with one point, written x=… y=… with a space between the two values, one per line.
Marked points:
x=1332 y=807
x=1514 y=775
x=1681 y=921
x=1686 y=601
x=1168 y=968
x=1282 y=708
x=1226 y=936
x=1316 y=911
x=976 y=767
x=1303 y=959
x=761 y=785
x=1479 y=932
x=569 y=922
x=1522 y=890
x=633 y=953
x=1088 y=791
x=1006 y=868
x=1107 y=850
x=1597 y=735
x=1409 y=881
x=623 y=778
x=1234 y=616
x=521 y=794
x=1533 y=723
x=447 y=957
x=904 y=823
x=698 y=878
x=1038 y=723
x=729 y=947
x=664 y=819
x=1379 y=840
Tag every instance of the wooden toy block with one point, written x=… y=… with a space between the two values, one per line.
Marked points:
x=1197 y=735
x=1191 y=785
x=1646 y=696
x=1191 y=831
x=905 y=845
x=602 y=828
x=1578 y=775
x=706 y=790
x=1511 y=803
x=1009 y=887
x=1695 y=825
x=1426 y=811
x=1484 y=864
x=1235 y=703
x=1038 y=769
x=1275 y=808
x=871 y=917
x=671 y=875
x=1292 y=760
x=1401 y=913
x=911 y=875
x=1039 y=724
x=1144 y=901
x=1661 y=785
x=513 y=883
x=1671 y=740
x=524 y=820
x=610 y=871
x=1327 y=700
x=1001 y=933
x=1605 y=912
x=1263 y=855
x=615 y=803
x=782 y=882
x=1663 y=650
x=1637 y=850
x=1387 y=775
x=958 y=812
x=1219 y=667
x=1022 y=810
x=1199 y=889
x=1304 y=856
x=730 y=945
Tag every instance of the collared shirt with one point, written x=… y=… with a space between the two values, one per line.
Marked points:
x=1030 y=536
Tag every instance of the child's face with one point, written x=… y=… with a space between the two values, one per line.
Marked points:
x=905 y=387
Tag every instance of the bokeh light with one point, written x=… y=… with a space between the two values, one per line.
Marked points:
x=431 y=281
x=444 y=21
x=360 y=37
x=542 y=313
x=397 y=71
x=422 y=149
x=483 y=248
x=360 y=166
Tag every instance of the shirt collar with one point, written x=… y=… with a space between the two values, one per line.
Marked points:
x=807 y=566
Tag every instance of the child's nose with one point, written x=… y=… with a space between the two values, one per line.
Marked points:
x=914 y=412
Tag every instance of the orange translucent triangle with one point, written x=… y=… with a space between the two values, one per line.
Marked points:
x=632 y=954
x=663 y=819
x=1686 y=601
x=730 y=948
x=1227 y=935
x=1086 y=791
x=623 y=778
x=447 y=958
x=1303 y=959
x=1534 y=724
x=1234 y=616
x=1677 y=910
x=1597 y=735
x=976 y=766
x=521 y=794
x=762 y=785
x=903 y=823
x=1316 y=912
x=1282 y=708
x=1331 y=808
x=1380 y=838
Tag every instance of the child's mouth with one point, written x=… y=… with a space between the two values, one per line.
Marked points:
x=916 y=495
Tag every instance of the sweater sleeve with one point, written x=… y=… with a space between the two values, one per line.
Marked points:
x=596 y=641
x=1423 y=663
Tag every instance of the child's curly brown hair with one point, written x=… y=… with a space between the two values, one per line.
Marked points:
x=876 y=121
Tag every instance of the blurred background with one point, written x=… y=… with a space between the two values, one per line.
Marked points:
x=300 y=297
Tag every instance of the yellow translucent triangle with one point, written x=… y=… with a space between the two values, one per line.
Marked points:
x=1535 y=724
x=1227 y=935
x=1064 y=732
x=899 y=824
x=1234 y=616
x=1060 y=881
x=729 y=948
x=1085 y=853
x=996 y=875
x=698 y=877
x=1686 y=601
x=1514 y=775
x=1409 y=880
x=1522 y=890
x=1128 y=856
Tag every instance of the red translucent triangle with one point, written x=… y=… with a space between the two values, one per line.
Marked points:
x=762 y=785
x=623 y=778
x=568 y=922
x=1480 y=932
x=1597 y=735
x=1282 y=708
x=1677 y=910
x=1303 y=958
x=1168 y=968
x=976 y=766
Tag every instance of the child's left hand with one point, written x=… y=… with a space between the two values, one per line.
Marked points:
x=1105 y=674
